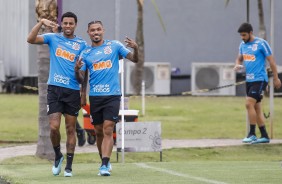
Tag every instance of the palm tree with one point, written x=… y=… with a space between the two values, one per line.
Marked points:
x=139 y=67
x=44 y=9
x=262 y=29
x=138 y=71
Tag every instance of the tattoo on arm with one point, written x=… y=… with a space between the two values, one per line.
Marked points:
x=133 y=56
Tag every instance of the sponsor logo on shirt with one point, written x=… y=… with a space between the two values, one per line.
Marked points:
x=108 y=50
x=250 y=76
x=65 y=54
x=102 y=65
x=101 y=88
x=249 y=57
x=61 y=79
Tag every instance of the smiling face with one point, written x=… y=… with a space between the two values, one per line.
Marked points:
x=68 y=26
x=96 y=33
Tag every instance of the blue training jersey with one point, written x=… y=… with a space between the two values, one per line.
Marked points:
x=103 y=65
x=63 y=55
x=254 y=54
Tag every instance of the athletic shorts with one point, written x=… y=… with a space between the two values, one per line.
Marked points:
x=256 y=89
x=104 y=108
x=64 y=100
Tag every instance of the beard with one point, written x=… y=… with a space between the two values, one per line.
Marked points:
x=96 y=39
x=68 y=32
x=247 y=40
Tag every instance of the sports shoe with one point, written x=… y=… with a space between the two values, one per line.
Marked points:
x=249 y=139
x=56 y=169
x=81 y=137
x=104 y=171
x=109 y=166
x=261 y=140
x=68 y=173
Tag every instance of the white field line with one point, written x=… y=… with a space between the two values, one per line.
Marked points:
x=143 y=165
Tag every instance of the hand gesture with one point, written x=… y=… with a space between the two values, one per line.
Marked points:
x=49 y=23
x=130 y=43
x=78 y=64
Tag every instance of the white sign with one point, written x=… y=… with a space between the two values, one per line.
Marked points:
x=140 y=137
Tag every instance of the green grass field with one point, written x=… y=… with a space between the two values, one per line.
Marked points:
x=182 y=118
x=167 y=172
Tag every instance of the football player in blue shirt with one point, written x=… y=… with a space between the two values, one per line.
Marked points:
x=63 y=89
x=102 y=61
x=252 y=54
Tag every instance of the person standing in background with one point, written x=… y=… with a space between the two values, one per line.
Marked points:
x=252 y=53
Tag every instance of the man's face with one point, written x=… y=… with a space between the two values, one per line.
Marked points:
x=96 y=32
x=68 y=26
x=245 y=36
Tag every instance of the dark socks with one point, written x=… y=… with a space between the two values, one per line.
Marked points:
x=252 y=130
x=263 y=132
x=105 y=161
x=69 y=161
x=100 y=156
x=58 y=153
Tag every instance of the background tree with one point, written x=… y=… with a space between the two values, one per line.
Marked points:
x=262 y=29
x=44 y=9
x=139 y=67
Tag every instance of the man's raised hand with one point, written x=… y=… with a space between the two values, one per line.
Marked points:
x=130 y=43
x=78 y=64
x=49 y=23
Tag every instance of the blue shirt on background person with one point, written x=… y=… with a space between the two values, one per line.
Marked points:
x=254 y=54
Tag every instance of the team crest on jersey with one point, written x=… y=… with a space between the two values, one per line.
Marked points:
x=108 y=50
x=76 y=46
x=255 y=47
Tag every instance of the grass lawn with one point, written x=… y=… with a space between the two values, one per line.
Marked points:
x=235 y=165
x=181 y=118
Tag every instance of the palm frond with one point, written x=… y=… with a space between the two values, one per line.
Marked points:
x=159 y=14
x=226 y=3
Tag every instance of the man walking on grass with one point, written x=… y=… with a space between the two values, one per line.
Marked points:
x=252 y=53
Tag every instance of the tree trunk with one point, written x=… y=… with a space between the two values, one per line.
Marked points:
x=139 y=67
x=262 y=29
x=44 y=9
x=44 y=145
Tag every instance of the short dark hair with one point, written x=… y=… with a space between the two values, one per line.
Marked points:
x=95 y=22
x=245 y=27
x=69 y=14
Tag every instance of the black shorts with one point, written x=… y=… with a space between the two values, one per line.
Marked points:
x=64 y=100
x=104 y=108
x=256 y=89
